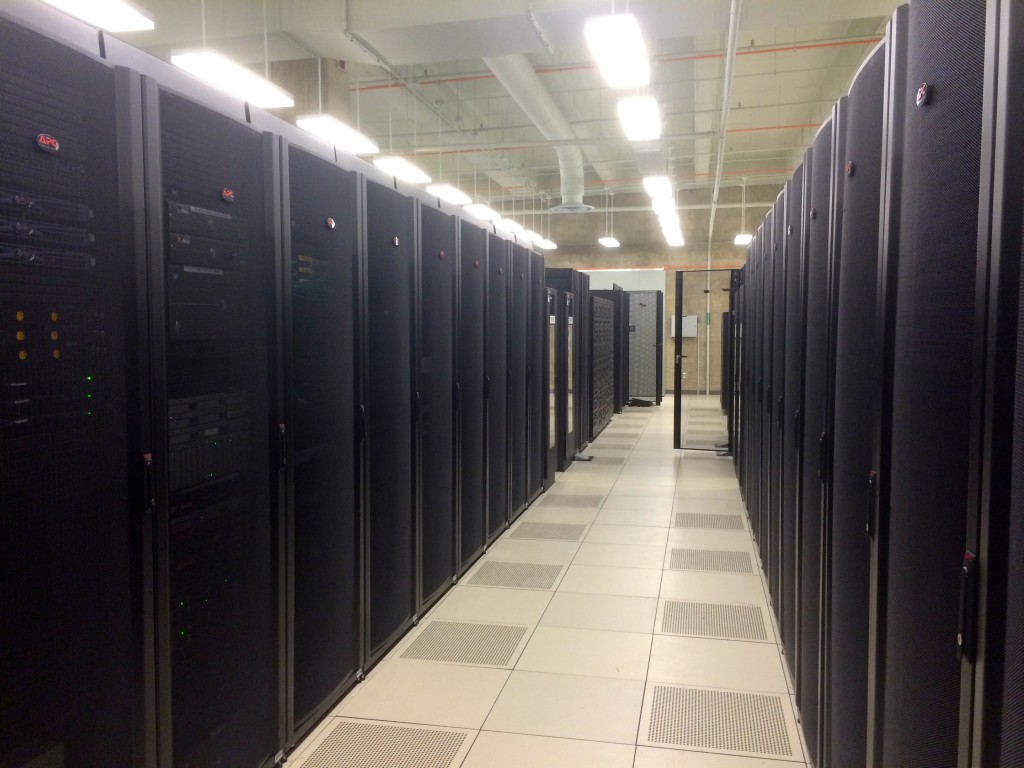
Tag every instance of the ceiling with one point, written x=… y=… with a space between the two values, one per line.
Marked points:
x=421 y=81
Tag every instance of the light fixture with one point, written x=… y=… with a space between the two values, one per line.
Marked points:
x=233 y=78
x=743 y=238
x=333 y=131
x=111 y=15
x=671 y=229
x=529 y=234
x=547 y=245
x=609 y=240
x=483 y=212
x=663 y=205
x=618 y=48
x=449 y=194
x=510 y=226
x=401 y=168
x=658 y=186
x=640 y=118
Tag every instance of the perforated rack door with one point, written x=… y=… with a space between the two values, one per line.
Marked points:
x=498 y=265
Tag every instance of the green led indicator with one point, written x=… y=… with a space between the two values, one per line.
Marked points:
x=88 y=378
x=88 y=394
x=88 y=413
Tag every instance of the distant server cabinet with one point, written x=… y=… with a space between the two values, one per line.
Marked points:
x=929 y=262
x=584 y=329
x=571 y=281
x=767 y=257
x=568 y=386
x=620 y=344
x=518 y=363
x=554 y=412
x=856 y=381
x=776 y=403
x=537 y=399
x=754 y=477
x=472 y=393
x=602 y=365
x=646 y=339
x=323 y=558
x=74 y=514
x=498 y=267
x=387 y=329
x=212 y=285
x=438 y=283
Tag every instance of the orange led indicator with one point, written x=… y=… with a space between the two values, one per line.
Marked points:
x=54 y=335
x=20 y=335
x=22 y=355
x=20 y=315
x=56 y=354
x=54 y=316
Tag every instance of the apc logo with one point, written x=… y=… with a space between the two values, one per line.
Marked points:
x=47 y=143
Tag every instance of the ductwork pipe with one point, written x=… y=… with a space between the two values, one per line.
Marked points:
x=524 y=86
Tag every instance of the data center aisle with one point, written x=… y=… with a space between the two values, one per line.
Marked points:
x=621 y=621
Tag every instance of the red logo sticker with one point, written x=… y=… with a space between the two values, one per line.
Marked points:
x=47 y=143
x=227 y=195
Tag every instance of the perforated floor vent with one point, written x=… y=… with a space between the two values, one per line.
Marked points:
x=463 y=642
x=737 y=722
x=550 y=531
x=570 y=500
x=496 y=573
x=732 y=622
x=609 y=459
x=710 y=560
x=704 y=520
x=378 y=745
x=610 y=446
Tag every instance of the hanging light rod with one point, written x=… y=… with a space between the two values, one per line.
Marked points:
x=111 y=15
x=233 y=78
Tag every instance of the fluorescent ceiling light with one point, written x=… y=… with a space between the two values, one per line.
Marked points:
x=663 y=205
x=640 y=118
x=401 y=168
x=337 y=133
x=513 y=227
x=449 y=194
x=547 y=245
x=669 y=219
x=233 y=78
x=111 y=15
x=529 y=234
x=743 y=239
x=481 y=211
x=658 y=186
x=608 y=241
x=675 y=239
x=619 y=50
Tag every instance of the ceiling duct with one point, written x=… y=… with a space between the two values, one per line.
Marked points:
x=517 y=75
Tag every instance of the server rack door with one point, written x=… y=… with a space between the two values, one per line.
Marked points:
x=757 y=383
x=498 y=266
x=71 y=499
x=569 y=392
x=815 y=383
x=388 y=335
x=931 y=382
x=438 y=275
x=622 y=353
x=472 y=402
x=768 y=481
x=214 y=272
x=553 y=378
x=792 y=434
x=537 y=401
x=602 y=361
x=585 y=330
x=778 y=321
x=644 y=344
x=518 y=340
x=323 y=554
x=856 y=382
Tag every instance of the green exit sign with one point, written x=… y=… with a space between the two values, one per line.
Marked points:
x=707 y=318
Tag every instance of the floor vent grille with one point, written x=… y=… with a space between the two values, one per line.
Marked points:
x=496 y=573
x=462 y=642
x=548 y=531
x=710 y=560
x=379 y=745
x=706 y=520
x=731 y=622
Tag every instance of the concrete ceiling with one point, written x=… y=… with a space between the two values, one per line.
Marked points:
x=416 y=82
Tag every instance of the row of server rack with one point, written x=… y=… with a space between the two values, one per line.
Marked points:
x=877 y=401
x=262 y=405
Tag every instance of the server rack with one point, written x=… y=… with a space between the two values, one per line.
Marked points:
x=768 y=481
x=389 y=408
x=777 y=400
x=602 y=368
x=323 y=531
x=212 y=278
x=76 y=619
x=537 y=405
x=472 y=394
x=755 y=477
x=436 y=395
x=584 y=331
x=620 y=339
x=555 y=418
x=498 y=267
x=646 y=344
x=855 y=382
x=518 y=339
x=924 y=502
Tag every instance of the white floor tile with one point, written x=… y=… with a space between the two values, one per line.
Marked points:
x=731 y=664
x=627 y=534
x=704 y=538
x=713 y=587
x=604 y=580
x=533 y=550
x=511 y=606
x=568 y=706
x=621 y=555
x=644 y=491
x=584 y=515
x=634 y=517
x=651 y=757
x=616 y=500
x=514 y=750
x=594 y=653
x=617 y=613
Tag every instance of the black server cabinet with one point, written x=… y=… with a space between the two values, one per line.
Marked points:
x=792 y=434
x=472 y=396
x=620 y=333
x=755 y=478
x=568 y=391
x=993 y=658
x=71 y=497
x=213 y=284
x=438 y=284
x=498 y=267
x=518 y=340
x=584 y=331
x=321 y=250
x=537 y=373
x=767 y=306
x=856 y=382
x=602 y=362
x=553 y=384
x=930 y=380
x=388 y=334
x=813 y=420
x=777 y=403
